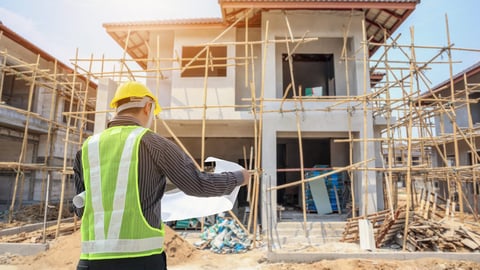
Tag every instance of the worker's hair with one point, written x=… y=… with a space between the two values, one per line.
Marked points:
x=134 y=110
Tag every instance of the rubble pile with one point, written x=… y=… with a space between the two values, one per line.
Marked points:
x=423 y=234
x=444 y=235
x=224 y=236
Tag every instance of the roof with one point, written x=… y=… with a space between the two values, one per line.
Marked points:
x=469 y=71
x=444 y=87
x=9 y=33
x=380 y=15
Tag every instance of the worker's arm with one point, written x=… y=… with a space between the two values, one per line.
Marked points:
x=182 y=171
x=78 y=179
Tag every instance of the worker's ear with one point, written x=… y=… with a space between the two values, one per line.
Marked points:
x=146 y=109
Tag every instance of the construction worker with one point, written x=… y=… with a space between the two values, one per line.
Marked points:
x=123 y=172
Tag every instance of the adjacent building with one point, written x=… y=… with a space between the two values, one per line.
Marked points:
x=37 y=94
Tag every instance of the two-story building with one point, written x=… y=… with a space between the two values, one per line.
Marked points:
x=37 y=94
x=284 y=78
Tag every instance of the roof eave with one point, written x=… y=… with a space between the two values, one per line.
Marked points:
x=318 y=5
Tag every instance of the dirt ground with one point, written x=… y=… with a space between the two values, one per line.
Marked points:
x=182 y=255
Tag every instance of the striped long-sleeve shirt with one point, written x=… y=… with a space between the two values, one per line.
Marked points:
x=160 y=158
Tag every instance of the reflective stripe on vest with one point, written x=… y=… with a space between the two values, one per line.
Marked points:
x=111 y=243
x=121 y=245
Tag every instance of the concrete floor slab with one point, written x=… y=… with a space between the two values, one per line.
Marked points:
x=277 y=257
x=23 y=249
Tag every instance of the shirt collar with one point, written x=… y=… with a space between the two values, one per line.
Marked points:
x=123 y=120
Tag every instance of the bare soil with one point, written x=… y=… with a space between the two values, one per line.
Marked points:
x=182 y=255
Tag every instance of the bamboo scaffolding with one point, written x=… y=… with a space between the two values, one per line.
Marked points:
x=299 y=135
x=21 y=158
x=259 y=138
x=474 y=156
x=454 y=122
x=321 y=176
x=400 y=98
x=65 y=160
x=48 y=149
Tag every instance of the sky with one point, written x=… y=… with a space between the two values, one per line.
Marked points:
x=60 y=27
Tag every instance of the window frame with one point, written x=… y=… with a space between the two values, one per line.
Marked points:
x=197 y=68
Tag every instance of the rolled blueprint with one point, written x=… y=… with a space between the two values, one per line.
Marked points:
x=176 y=205
x=79 y=200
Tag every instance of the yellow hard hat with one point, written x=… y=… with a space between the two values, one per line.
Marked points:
x=134 y=89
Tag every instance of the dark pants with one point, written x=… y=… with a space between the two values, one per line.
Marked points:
x=154 y=262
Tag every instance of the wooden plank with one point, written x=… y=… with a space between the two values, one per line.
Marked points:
x=469 y=243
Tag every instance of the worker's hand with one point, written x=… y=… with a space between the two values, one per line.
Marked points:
x=246 y=177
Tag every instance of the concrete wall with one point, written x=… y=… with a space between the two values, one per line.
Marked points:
x=179 y=91
x=243 y=81
x=162 y=88
x=329 y=28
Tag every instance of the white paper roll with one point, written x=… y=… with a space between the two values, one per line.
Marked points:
x=79 y=200
x=176 y=205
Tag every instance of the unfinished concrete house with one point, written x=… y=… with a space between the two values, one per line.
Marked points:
x=273 y=85
x=300 y=91
x=37 y=130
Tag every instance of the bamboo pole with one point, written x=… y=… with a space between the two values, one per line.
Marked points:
x=158 y=75
x=48 y=148
x=391 y=141
x=321 y=176
x=299 y=136
x=246 y=53
x=454 y=121
x=204 y=112
x=474 y=155
x=409 y=152
x=260 y=137
x=65 y=154
x=23 y=151
x=2 y=69
x=170 y=131
x=257 y=137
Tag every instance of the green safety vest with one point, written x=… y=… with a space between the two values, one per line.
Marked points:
x=113 y=225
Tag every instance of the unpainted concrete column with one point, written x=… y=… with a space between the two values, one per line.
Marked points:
x=105 y=92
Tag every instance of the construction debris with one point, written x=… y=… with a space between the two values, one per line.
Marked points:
x=224 y=236
x=351 y=233
x=423 y=234
x=444 y=235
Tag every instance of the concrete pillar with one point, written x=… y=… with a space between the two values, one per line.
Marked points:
x=105 y=92
x=366 y=181
x=379 y=163
x=269 y=177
